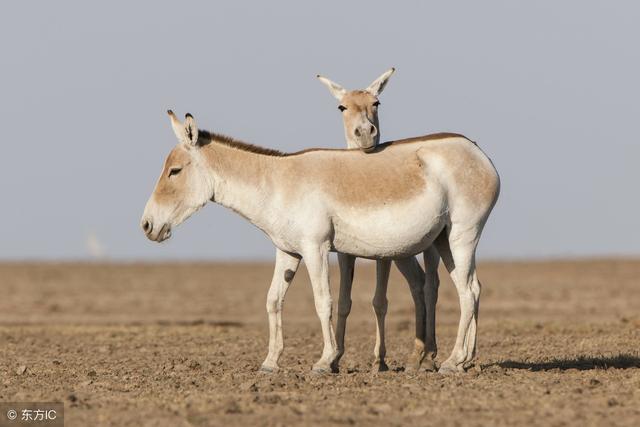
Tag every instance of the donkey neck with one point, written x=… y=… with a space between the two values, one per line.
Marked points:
x=242 y=181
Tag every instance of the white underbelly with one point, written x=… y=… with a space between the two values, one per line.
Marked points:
x=404 y=229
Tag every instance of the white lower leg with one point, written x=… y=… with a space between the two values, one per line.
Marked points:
x=317 y=260
x=464 y=277
x=285 y=269
x=465 y=339
x=472 y=335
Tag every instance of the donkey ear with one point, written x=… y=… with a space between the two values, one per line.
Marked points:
x=378 y=85
x=336 y=90
x=178 y=128
x=190 y=130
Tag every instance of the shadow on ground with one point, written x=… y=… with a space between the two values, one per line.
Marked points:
x=582 y=363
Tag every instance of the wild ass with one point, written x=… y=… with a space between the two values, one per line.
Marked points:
x=359 y=110
x=389 y=204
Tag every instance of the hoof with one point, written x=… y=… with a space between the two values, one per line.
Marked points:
x=266 y=369
x=449 y=368
x=429 y=365
x=324 y=368
x=378 y=367
x=319 y=370
x=413 y=364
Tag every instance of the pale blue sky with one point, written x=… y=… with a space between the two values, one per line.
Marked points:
x=548 y=89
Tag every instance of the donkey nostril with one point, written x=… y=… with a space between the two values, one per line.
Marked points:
x=357 y=132
x=373 y=130
x=146 y=226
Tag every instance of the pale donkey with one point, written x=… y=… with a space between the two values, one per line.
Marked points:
x=389 y=204
x=359 y=109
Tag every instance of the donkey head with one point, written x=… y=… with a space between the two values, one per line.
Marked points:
x=184 y=186
x=360 y=111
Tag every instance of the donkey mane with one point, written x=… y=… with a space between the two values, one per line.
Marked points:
x=211 y=137
x=235 y=143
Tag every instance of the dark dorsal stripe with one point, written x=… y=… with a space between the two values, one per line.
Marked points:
x=208 y=137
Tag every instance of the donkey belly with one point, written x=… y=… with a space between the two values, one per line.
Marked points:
x=396 y=231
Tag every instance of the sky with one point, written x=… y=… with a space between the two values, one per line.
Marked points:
x=549 y=90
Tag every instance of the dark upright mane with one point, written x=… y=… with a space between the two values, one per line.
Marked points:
x=231 y=142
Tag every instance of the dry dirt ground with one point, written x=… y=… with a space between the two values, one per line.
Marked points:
x=180 y=344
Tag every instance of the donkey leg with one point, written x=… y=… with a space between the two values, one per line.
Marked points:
x=285 y=269
x=458 y=254
x=317 y=261
x=431 y=285
x=346 y=263
x=412 y=272
x=380 y=304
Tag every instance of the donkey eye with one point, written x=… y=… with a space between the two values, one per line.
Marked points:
x=375 y=104
x=174 y=171
x=341 y=107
